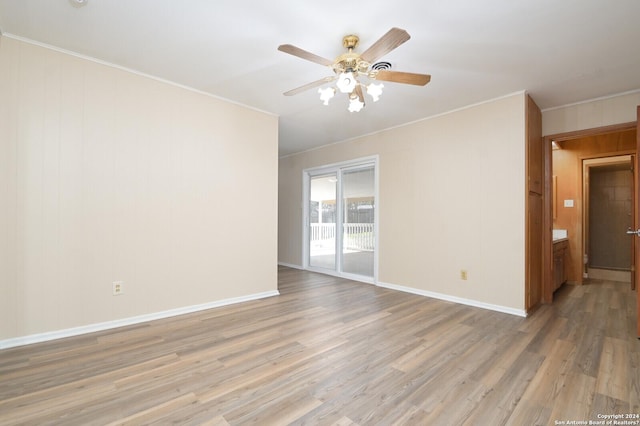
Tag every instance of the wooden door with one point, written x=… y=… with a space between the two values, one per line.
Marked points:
x=634 y=197
x=636 y=219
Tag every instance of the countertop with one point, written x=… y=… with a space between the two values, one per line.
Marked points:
x=560 y=235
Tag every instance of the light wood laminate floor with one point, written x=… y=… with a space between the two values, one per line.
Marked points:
x=335 y=352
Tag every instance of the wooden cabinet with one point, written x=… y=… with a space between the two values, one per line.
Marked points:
x=559 y=263
x=534 y=230
x=535 y=152
x=533 y=236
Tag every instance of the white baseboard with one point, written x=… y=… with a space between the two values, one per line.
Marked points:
x=352 y=277
x=91 y=328
x=455 y=299
x=291 y=265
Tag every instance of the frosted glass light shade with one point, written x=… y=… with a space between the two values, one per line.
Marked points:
x=346 y=82
x=355 y=105
x=375 y=90
x=326 y=94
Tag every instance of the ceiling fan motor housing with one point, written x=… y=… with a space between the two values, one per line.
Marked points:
x=350 y=61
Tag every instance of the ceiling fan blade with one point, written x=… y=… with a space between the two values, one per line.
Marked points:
x=403 y=77
x=359 y=93
x=309 y=86
x=392 y=39
x=301 y=53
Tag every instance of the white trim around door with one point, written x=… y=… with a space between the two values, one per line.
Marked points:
x=338 y=217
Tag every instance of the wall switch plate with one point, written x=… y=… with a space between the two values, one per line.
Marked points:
x=118 y=288
x=463 y=274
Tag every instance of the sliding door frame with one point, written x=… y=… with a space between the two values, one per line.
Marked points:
x=338 y=168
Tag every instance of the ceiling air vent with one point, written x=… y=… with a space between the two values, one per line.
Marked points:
x=380 y=66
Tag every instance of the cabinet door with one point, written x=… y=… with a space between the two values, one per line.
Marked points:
x=563 y=258
x=535 y=152
x=534 y=250
x=559 y=264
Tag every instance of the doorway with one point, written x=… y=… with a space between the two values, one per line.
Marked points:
x=607 y=214
x=566 y=205
x=340 y=217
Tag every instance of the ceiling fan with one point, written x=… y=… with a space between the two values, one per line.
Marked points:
x=351 y=65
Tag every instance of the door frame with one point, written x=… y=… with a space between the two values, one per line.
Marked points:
x=547 y=292
x=336 y=168
x=587 y=165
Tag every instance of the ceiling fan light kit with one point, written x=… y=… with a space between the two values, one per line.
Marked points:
x=351 y=66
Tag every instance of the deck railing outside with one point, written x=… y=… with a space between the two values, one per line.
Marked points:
x=357 y=236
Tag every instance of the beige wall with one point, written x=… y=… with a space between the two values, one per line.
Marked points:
x=588 y=115
x=452 y=197
x=107 y=175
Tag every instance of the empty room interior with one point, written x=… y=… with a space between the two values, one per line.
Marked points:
x=272 y=213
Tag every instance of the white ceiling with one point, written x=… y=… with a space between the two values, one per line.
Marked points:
x=561 y=51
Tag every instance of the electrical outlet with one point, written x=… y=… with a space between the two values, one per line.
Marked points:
x=463 y=274
x=118 y=288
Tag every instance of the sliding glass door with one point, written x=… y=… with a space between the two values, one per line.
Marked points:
x=340 y=218
x=322 y=221
x=358 y=220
